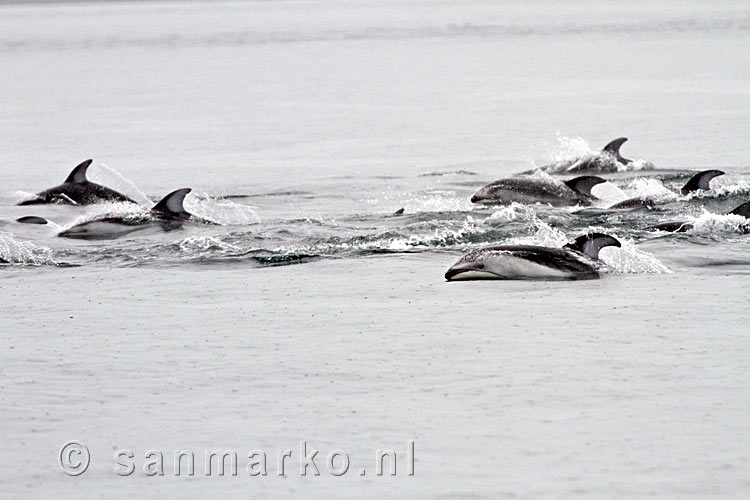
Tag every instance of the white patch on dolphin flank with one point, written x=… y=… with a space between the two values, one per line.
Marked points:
x=507 y=265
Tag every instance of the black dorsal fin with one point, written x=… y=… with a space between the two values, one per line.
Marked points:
x=584 y=183
x=171 y=205
x=591 y=243
x=78 y=175
x=743 y=210
x=613 y=148
x=700 y=181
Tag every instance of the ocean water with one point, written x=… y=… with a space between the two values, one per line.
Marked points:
x=310 y=312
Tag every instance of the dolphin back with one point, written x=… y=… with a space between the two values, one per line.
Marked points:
x=743 y=210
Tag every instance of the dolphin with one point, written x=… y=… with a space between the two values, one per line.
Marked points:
x=683 y=226
x=77 y=190
x=699 y=182
x=576 y=260
x=168 y=214
x=609 y=160
x=575 y=191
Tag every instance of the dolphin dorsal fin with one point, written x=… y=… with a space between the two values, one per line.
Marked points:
x=613 y=148
x=584 y=183
x=700 y=181
x=171 y=205
x=591 y=243
x=78 y=175
x=743 y=210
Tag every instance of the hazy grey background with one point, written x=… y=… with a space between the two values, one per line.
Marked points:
x=631 y=386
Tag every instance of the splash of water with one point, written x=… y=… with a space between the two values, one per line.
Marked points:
x=21 y=252
x=221 y=211
x=512 y=212
x=650 y=189
x=628 y=259
x=709 y=223
x=569 y=148
x=570 y=151
x=102 y=174
x=127 y=211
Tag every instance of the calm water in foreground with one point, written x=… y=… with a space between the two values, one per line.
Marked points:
x=311 y=312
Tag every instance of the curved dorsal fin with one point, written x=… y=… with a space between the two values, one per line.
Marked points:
x=171 y=205
x=78 y=175
x=613 y=148
x=743 y=210
x=584 y=183
x=700 y=181
x=591 y=243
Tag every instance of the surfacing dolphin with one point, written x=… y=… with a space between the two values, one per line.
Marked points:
x=576 y=260
x=681 y=226
x=699 y=182
x=77 y=190
x=575 y=191
x=609 y=160
x=168 y=214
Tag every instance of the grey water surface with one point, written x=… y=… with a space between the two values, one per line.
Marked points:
x=310 y=312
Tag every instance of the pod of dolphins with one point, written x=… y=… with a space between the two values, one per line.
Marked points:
x=576 y=260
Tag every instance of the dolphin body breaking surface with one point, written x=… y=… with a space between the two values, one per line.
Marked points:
x=699 y=182
x=168 y=214
x=78 y=190
x=575 y=191
x=576 y=260
x=607 y=161
x=681 y=226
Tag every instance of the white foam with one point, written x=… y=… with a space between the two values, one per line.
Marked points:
x=710 y=223
x=511 y=212
x=23 y=252
x=127 y=211
x=650 y=189
x=628 y=259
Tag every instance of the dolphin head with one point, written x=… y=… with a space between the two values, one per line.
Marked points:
x=472 y=266
x=484 y=193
